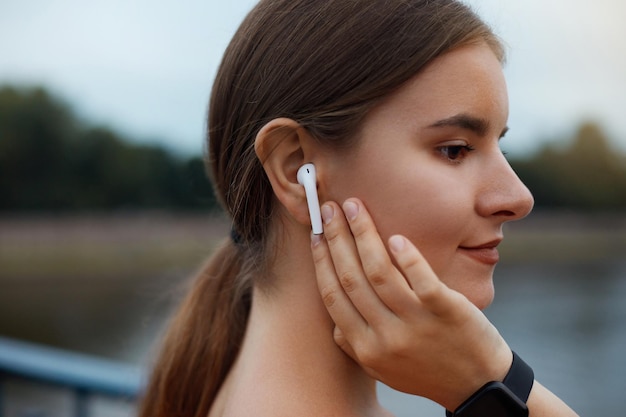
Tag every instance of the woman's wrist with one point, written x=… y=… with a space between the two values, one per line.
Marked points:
x=493 y=367
x=501 y=398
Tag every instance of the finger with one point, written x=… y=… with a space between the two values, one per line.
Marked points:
x=349 y=265
x=433 y=294
x=348 y=349
x=343 y=343
x=337 y=302
x=388 y=283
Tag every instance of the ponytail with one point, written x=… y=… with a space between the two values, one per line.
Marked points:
x=202 y=340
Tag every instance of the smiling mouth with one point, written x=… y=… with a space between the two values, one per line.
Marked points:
x=487 y=254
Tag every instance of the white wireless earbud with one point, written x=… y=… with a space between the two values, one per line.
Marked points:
x=306 y=176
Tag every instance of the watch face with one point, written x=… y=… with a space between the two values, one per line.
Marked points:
x=493 y=400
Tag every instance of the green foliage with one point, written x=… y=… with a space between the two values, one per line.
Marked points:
x=588 y=174
x=50 y=161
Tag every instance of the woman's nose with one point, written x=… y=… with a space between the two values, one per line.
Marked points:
x=504 y=195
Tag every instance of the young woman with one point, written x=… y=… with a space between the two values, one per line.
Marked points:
x=400 y=104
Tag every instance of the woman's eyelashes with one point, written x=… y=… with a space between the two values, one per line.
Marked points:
x=455 y=152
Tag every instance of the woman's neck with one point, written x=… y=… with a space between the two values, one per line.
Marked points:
x=289 y=363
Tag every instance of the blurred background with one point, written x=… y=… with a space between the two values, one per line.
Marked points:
x=105 y=209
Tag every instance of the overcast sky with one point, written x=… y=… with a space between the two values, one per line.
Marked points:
x=145 y=67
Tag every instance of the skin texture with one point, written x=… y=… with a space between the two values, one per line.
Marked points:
x=363 y=303
x=414 y=175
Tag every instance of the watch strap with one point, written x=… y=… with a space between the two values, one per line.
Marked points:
x=519 y=380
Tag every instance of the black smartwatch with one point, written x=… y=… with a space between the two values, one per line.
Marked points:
x=501 y=399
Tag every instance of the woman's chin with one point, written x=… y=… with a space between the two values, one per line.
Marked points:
x=480 y=293
x=483 y=297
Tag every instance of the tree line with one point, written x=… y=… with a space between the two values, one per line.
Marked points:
x=52 y=161
x=585 y=173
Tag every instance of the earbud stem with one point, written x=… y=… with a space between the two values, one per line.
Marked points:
x=307 y=177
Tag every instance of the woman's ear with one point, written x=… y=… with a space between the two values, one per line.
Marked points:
x=283 y=146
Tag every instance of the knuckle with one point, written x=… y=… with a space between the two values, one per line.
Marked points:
x=429 y=293
x=369 y=349
x=329 y=295
x=348 y=280
x=398 y=346
x=377 y=274
x=368 y=356
x=396 y=339
x=331 y=234
x=411 y=262
x=358 y=230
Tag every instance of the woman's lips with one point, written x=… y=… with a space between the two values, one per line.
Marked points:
x=486 y=254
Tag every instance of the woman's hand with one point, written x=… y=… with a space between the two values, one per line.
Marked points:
x=402 y=324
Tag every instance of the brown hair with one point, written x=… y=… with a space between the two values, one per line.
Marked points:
x=324 y=64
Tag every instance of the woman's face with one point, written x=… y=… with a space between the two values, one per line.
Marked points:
x=428 y=165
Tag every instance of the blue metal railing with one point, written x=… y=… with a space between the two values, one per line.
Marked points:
x=82 y=374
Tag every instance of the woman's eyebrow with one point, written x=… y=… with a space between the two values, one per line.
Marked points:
x=465 y=121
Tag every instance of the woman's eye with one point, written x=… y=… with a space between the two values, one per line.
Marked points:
x=455 y=153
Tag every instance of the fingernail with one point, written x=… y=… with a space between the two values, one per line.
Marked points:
x=351 y=210
x=327 y=213
x=315 y=239
x=396 y=243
